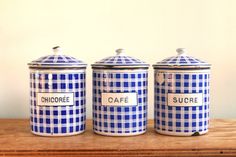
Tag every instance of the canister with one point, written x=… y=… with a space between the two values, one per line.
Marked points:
x=120 y=88
x=57 y=95
x=181 y=95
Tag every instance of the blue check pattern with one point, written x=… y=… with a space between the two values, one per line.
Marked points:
x=120 y=60
x=57 y=60
x=120 y=119
x=58 y=120
x=179 y=119
x=182 y=60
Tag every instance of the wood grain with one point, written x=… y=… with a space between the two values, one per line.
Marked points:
x=17 y=140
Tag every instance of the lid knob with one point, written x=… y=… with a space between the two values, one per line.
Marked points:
x=120 y=52
x=181 y=51
x=57 y=50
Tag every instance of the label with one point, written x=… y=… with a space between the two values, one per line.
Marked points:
x=119 y=99
x=55 y=99
x=195 y=99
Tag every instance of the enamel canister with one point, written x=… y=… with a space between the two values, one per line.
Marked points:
x=120 y=88
x=57 y=95
x=181 y=95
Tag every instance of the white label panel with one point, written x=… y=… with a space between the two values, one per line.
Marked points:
x=195 y=99
x=55 y=99
x=119 y=99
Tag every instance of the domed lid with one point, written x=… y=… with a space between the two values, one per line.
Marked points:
x=57 y=60
x=181 y=61
x=120 y=60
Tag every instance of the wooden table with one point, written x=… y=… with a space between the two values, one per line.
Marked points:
x=16 y=140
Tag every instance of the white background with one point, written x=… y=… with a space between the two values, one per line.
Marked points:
x=92 y=29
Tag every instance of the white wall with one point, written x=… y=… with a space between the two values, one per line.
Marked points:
x=93 y=29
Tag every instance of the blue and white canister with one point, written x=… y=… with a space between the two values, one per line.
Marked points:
x=120 y=88
x=181 y=95
x=57 y=95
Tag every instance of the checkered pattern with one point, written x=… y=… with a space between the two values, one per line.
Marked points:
x=181 y=119
x=120 y=60
x=120 y=119
x=58 y=120
x=57 y=60
x=181 y=60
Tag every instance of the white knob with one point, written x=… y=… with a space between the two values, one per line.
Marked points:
x=120 y=52
x=181 y=51
x=57 y=50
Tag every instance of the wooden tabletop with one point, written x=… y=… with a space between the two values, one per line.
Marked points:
x=17 y=140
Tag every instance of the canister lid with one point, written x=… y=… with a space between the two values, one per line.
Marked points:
x=120 y=60
x=57 y=60
x=181 y=60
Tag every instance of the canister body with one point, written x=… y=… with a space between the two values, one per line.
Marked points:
x=57 y=102
x=181 y=101
x=120 y=101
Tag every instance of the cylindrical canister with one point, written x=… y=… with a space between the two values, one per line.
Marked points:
x=57 y=95
x=181 y=95
x=120 y=95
